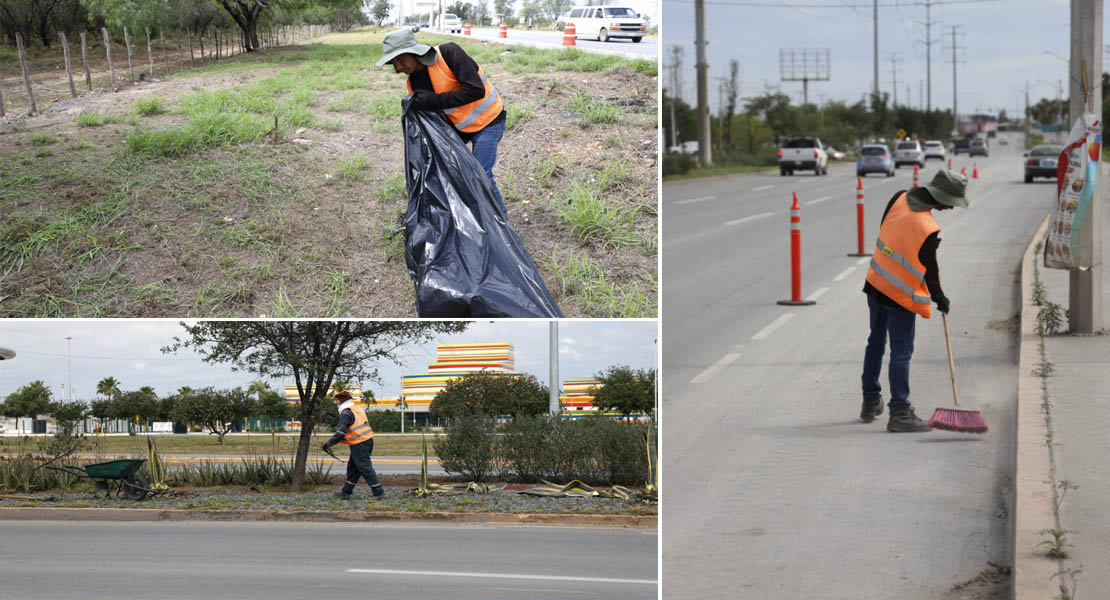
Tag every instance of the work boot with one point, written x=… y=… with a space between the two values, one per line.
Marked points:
x=379 y=493
x=904 y=421
x=869 y=410
x=344 y=495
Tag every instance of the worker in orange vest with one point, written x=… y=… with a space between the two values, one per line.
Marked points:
x=902 y=282
x=446 y=79
x=355 y=431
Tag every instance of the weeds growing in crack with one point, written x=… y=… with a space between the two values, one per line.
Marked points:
x=1058 y=545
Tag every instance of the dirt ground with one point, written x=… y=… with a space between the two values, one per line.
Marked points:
x=280 y=229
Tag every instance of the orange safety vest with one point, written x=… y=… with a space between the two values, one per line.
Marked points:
x=359 y=431
x=895 y=268
x=467 y=118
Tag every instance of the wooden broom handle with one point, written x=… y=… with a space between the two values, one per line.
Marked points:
x=951 y=365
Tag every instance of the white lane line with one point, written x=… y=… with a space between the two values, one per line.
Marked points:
x=768 y=330
x=863 y=261
x=751 y=218
x=844 y=274
x=762 y=187
x=711 y=371
x=821 y=199
x=698 y=199
x=501 y=576
x=817 y=293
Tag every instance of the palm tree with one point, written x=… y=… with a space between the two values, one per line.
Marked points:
x=108 y=387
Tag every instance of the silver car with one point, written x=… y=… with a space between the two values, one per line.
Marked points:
x=906 y=153
x=935 y=149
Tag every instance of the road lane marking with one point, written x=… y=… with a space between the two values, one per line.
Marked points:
x=844 y=274
x=817 y=293
x=751 y=218
x=768 y=330
x=711 y=371
x=502 y=576
x=863 y=261
x=762 y=187
x=821 y=199
x=698 y=199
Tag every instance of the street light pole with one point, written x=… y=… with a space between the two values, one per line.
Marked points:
x=69 y=368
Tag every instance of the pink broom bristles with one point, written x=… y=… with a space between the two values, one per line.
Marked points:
x=963 y=421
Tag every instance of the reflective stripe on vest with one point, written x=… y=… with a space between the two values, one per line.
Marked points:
x=359 y=431
x=896 y=270
x=470 y=117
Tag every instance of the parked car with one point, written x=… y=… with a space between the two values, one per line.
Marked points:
x=451 y=23
x=1041 y=161
x=935 y=149
x=874 y=158
x=607 y=22
x=803 y=154
x=977 y=146
x=909 y=153
x=961 y=144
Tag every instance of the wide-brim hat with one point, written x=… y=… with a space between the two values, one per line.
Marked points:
x=342 y=396
x=401 y=42
x=947 y=188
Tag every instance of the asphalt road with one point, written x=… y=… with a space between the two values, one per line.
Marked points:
x=647 y=48
x=320 y=560
x=774 y=488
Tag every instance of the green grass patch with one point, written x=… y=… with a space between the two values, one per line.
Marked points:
x=578 y=278
x=348 y=102
x=207 y=130
x=330 y=124
x=92 y=119
x=519 y=113
x=594 y=111
x=42 y=139
x=148 y=107
x=384 y=107
x=594 y=219
x=351 y=167
x=544 y=169
x=393 y=189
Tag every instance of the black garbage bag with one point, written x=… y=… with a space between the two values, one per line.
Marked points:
x=462 y=255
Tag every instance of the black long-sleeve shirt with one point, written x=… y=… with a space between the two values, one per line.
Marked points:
x=466 y=72
x=928 y=257
x=346 y=419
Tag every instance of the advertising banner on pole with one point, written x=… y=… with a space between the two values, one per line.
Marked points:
x=1067 y=245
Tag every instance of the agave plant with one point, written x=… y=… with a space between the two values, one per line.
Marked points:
x=156 y=466
x=653 y=473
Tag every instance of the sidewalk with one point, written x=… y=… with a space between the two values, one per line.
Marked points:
x=1066 y=485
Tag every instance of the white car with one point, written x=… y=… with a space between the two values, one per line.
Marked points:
x=606 y=22
x=911 y=152
x=451 y=23
x=935 y=149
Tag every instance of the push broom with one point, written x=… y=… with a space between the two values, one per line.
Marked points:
x=954 y=419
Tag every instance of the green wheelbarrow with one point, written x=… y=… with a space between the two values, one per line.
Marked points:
x=122 y=474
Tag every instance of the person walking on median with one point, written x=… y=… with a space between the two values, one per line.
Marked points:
x=446 y=79
x=355 y=431
x=901 y=281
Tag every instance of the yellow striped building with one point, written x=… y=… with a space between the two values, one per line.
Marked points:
x=454 y=361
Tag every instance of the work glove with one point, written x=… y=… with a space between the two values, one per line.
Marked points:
x=943 y=304
x=324 y=447
x=420 y=99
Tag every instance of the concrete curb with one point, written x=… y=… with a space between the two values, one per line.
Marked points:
x=1033 y=498
x=34 y=513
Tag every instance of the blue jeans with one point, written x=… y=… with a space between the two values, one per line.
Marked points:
x=484 y=146
x=359 y=465
x=897 y=323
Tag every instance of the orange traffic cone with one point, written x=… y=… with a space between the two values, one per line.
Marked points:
x=974 y=171
x=963 y=171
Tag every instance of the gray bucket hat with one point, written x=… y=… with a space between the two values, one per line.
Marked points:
x=403 y=41
x=947 y=188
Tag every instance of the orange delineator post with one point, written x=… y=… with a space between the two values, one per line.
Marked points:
x=963 y=171
x=859 y=218
x=796 y=257
x=915 y=176
x=949 y=163
x=504 y=31
x=570 y=35
x=974 y=171
x=466 y=29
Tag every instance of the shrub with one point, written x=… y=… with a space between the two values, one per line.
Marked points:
x=148 y=107
x=467 y=447
x=675 y=163
x=384 y=421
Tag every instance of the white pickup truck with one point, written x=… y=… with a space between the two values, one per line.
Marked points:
x=803 y=154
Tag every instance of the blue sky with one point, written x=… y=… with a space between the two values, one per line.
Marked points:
x=129 y=350
x=1003 y=45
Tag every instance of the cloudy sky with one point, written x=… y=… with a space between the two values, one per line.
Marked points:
x=129 y=350
x=1004 y=46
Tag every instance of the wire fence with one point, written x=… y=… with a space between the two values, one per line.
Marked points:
x=42 y=82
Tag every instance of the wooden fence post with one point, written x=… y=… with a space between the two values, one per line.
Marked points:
x=192 y=59
x=200 y=41
x=108 y=47
x=69 y=70
x=165 y=55
x=1 y=100
x=130 y=66
x=26 y=73
x=149 y=54
x=180 y=52
x=85 y=60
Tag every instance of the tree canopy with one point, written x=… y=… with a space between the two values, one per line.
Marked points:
x=216 y=411
x=491 y=395
x=28 y=401
x=68 y=415
x=314 y=353
x=626 y=391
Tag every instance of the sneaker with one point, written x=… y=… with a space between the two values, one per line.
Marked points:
x=905 y=421
x=869 y=410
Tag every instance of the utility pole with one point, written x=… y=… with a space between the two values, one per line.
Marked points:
x=955 y=62
x=929 y=41
x=894 y=79
x=705 y=156
x=69 y=368
x=1085 y=285
x=676 y=88
x=553 y=359
x=875 y=27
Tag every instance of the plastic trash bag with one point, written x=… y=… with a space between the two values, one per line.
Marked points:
x=462 y=255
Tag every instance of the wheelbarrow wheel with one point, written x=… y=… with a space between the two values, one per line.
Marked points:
x=135 y=488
